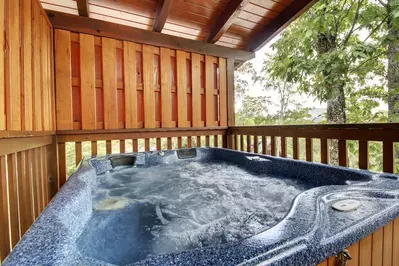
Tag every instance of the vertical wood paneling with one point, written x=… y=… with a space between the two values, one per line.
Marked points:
x=377 y=248
x=230 y=93
x=129 y=60
x=13 y=198
x=395 y=242
x=354 y=251
x=2 y=77
x=13 y=87
x=181 y=89
x=387 y=244
x=209 y=91
x=196 y=89
x=166 y=86
x=4 y=222
x=45 y=75
x=365 y=251
x=388 y=159
x=26 y=71
x=223 y=91
x=63 y=73
x=109 y=84
x=148 y=86
x=87 y=81
x=63 y=80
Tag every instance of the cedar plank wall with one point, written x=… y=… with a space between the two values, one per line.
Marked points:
x=103 y=83
x=26 y=109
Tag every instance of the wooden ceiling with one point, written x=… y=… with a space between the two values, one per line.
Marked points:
x=241 y=24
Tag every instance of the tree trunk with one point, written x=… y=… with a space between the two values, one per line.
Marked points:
x=327 y=43
x=393 y=70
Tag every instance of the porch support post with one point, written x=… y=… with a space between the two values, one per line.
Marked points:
x=230 y=102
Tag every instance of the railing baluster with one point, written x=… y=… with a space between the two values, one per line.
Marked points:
x=159 y=147
x=309 y=150
x=5 y=233
x=108 y=147
x=94 y=148
x=256 y=144
x=387 y=156
x=135 y=145
x=179 y=143
x=236 y=147
x=207 y=142
x=324 y=151
x=122 y=148
x=62 y=163
x=189 y=142
x=198 y=143
x=225 y=140
x=295 y=150
x=241 y=142
x=363 y=154
x=248 y=143
x=283 y=147
x=264 y=145
x=273 y=145
x=147 y=144
x=78 y=152
x=215 y=141
x=342 y=153
x=169 y=142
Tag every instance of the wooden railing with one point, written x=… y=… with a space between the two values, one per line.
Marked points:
x=27 y=164
x=74 y=145
x=292 y=141
x=304 y=142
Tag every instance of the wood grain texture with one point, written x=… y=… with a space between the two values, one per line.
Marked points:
x=223 y=92
x=13 y=198
x=26 y=71
x=196 y=89
x=62 y=163
x=2 y=76
x=166 y=86
x=4 y=221
x=161 y=14
x=148 y=87
x=87 y=81
x=109 y=83
x=181 y=89
x=129 y=60
x=63 y=79
x=13 y=86
x=62 y=54
x=209 y=91
x=230 y=93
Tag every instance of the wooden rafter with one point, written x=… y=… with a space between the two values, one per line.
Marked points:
x=121 y=32
x=161 y=14
x=225 y=20
x=83 y=8
x=291 y=12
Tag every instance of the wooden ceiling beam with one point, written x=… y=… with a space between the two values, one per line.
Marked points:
x=291 y=12
x=161 y=14
x=122 y=32
x=230 y=13
x=83 y=8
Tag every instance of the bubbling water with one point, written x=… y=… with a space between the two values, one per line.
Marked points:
x=196 y=204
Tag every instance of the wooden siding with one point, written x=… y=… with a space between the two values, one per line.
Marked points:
x=103 y=83
x=25 y=67
x=25 y=188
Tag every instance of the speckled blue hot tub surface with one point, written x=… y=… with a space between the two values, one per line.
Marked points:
x=220 y=207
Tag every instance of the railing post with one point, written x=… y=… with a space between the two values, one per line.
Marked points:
x=53 y=163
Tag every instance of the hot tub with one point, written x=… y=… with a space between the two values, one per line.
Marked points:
x=207 y=206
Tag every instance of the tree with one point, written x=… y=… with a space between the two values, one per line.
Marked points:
x=325 y=54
